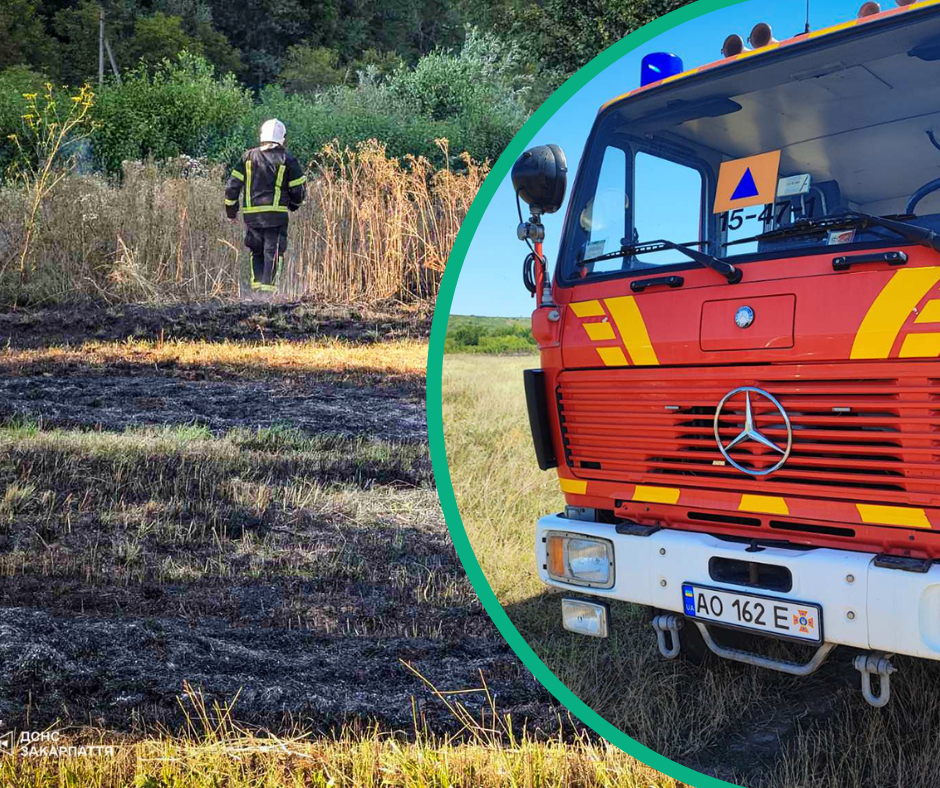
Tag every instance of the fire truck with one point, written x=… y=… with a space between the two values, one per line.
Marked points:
x=739 y=380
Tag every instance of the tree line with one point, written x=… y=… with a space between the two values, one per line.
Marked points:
x=308 y=43
x=198 y=74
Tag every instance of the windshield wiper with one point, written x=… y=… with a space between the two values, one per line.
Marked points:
x=728 y=271
x=906 y=230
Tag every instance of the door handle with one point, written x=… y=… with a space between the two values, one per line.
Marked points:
x=845 y=263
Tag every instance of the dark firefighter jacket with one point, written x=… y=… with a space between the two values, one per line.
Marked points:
x=270 y=182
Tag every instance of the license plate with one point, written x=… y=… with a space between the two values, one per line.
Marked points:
x=771 y=615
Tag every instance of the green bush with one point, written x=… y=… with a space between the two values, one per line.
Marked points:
x=183 y=107
x=481 y=90
x=505 y=345
x=473 y=98
x=467 y=335
x=14 y=82
x=349 y=115
x=308 y=69
x=23 y=40
x=473 y=337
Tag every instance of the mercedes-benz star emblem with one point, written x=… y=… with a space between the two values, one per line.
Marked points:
x=750 y=431
x=744 y=317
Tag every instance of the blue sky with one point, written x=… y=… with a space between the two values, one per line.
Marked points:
x=490 y=281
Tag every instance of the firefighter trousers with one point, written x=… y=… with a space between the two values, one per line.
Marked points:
x=267 y=245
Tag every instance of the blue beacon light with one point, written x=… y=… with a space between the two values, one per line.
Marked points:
x=659 y=65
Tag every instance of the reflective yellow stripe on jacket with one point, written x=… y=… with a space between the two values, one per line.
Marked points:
x=266 y=209
x=247 y=185
x=277 y=184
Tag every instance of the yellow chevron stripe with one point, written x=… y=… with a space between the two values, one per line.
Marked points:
x=931 y=311
x=926 y=345
x=587 y=308
x=613 y=357
x=599 y=331
x=632 y=328
x=656 y=494
x=874 y=514
x=574 y=486
x=763 y=504
x=890 y=310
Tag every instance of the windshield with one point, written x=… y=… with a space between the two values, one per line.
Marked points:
x=740 y=163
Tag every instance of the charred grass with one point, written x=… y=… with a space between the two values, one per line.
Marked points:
x=746 y=725
x=267 y=532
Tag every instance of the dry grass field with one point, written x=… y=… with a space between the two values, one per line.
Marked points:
x=746 y=725
x=221 y=552
x=374 y=228
x=212 y=750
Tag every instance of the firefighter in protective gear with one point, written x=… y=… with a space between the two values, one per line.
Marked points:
x=271 y=184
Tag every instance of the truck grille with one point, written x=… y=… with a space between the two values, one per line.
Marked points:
x=858 y=433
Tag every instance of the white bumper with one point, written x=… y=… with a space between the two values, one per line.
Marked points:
x=893 y=611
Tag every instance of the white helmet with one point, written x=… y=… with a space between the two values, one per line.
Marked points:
x=273 y=131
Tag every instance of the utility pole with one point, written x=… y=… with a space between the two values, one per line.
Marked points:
x=100 y=46
x=114 y=68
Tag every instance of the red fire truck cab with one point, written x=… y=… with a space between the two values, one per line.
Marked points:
x=739 y=382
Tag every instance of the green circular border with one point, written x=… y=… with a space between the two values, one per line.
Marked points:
x=435 y=420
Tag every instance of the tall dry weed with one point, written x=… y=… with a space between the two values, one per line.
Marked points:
x=373 y=228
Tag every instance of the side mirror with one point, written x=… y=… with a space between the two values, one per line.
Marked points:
x=540 y=178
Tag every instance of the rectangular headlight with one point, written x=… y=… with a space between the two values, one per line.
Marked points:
x=581 y=560
x=585 y=618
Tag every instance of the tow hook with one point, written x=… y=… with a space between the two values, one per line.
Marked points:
x=871 y=664
x=671 y=624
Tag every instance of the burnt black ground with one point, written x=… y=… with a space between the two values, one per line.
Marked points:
x=317 y=635
x=122 y=671
x=216 y=321
x=84 y=398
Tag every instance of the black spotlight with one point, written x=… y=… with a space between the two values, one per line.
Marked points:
x=540 y=178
